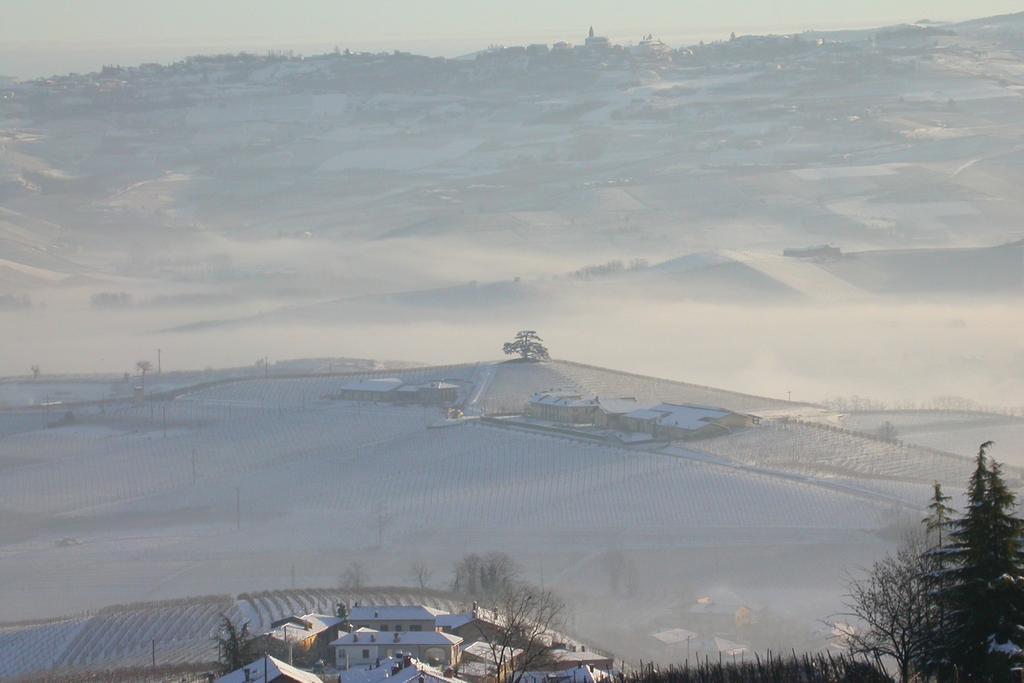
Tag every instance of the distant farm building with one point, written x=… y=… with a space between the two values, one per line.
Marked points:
x=670 y=421
x=394 y=390
x=559 y=406
x=665 y=421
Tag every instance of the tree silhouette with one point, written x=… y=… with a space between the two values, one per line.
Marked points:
x=143 y=366
x=527 y=345
x=234 y=645
x=35 y=371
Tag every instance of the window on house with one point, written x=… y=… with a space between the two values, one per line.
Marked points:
x=366 y=654
x=398 y=627
x=415 y=627
x=383 y=627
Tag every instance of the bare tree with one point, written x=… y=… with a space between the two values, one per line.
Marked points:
x=484 y=575
x=420 y=573
x=887 y=431
x=35 y=371
x=143 y=366
x=354 y=576
x=520 y=630
x=889 y=607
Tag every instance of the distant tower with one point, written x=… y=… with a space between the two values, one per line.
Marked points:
x=591 y=31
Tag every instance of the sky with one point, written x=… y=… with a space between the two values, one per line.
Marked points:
x=40 y=37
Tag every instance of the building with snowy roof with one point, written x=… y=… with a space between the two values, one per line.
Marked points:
x=304 y=638
x=404 y=669
x=576 y=674
x=269 y=669
x=395 y=617
x=562 y=406
x=365 y=646
x=395 y=390
x=671 y=422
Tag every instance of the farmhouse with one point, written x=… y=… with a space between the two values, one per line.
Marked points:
x=666 y=421
x=304 y=637
x=365 y=646
x=376 y=389
x=395 y=617
x=672 y=421
x=394 y=390
x=268 y=669
x=562 y=406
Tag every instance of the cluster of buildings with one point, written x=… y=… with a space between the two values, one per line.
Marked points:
x=403 y=643
x=633 y=421
x=394 y=390
x=648 y=48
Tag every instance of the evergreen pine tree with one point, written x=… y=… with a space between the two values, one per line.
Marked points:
x=937 y=523
x=982 y=592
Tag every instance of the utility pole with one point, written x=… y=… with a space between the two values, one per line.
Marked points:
x=153 y=652
x=159 y=363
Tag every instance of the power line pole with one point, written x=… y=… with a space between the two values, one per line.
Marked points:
x=159 y=363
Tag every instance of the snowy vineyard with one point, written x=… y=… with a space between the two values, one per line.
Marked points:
x=178 y=631
x=512 y=386
x=815 y=449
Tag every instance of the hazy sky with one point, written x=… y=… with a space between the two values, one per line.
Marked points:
x=136 y=30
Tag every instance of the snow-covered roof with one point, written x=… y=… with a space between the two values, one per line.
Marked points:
x=383 y=384
x=386 y=672
x=394 y=613
x=300 y=628
x=674 y=635
x=576 y=674
x=561 y=398
x=569 y=657
x=273 y=668
x=453 y=621
x=679 y=416
x=428 y=385
x=364 y=636
x=618 y=406
x=482 y=650
x=729 y=648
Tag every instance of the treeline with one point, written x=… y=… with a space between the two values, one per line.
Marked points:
x=819 y=668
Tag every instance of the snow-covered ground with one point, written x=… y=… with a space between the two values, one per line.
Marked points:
x=233 y=487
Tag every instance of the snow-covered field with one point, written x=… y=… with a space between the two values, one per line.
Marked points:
x=234 y=487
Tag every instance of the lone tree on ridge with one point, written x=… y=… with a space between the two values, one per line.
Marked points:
x=527 y=345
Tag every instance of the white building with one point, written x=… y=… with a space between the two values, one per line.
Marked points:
x=395 y=617
x=366 y=646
